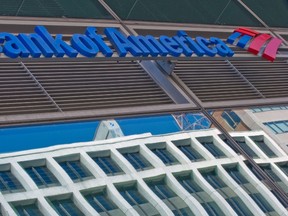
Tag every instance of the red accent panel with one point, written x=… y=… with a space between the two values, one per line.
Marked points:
x=271 y=49
x=258 y=42
x=247 y=31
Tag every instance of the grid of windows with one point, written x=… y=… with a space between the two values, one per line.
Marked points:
x=137 y=201
x=42 y=176
x=264 y=109
x=66 y=207
x=278 y=127
x=200 y=195
x=166 y=157
x=251 y=190
x=8 y=182
x=102 y=204
x=138 y=161
x=75 y=170
x=28 y=210
x=227 y=193
x=108 y=165
x=213 y=149
x=174 y=202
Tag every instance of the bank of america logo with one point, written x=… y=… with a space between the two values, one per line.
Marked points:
x=257 y=43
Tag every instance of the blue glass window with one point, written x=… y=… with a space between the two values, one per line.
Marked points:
x=102 y=204
x=250 y=189
x=231 y=118
x=8 y=182
x=42 y=176
x=108 y=165
x=213 y=149
x=278 y=127
x=66 y=207
x=227 y=193
x=200 y=195
x=28 y=210
x=137 y=201
x=138 y=161
x=265 y=148
x=247 y=149
x=166 y=157
x=75 y=170
x=191 y=153
x=174 y=202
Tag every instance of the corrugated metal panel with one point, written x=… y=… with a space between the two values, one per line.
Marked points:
x=214 y=80
x=19 y=93
x=271 y=79
x=97 y=85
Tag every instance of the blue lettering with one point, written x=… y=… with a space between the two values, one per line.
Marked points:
x=36 y=45
x=84 y=45
x=13 y=47
x=59 y=46
x=121 y=43
x=149 y=45
x=204 y=43
x=191 y=43
x=171 y=45
x=91 y=32
x=223 y=49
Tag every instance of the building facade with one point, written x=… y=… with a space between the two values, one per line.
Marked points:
x=193 y=135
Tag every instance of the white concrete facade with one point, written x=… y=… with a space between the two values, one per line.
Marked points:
x=98 y=179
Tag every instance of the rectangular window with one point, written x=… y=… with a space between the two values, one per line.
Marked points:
x=284 y=167
x=231 y=118
x=213 y=149
x=247 y=149
x=166 y=157
x=102 y=204
x=8 y=182
x=165 y=193
x=251 y=190
x=42 y=176
x=66 y=207
x=227 y=193
x=278 y=127
x=200 y=195
x=191 y=153
x=108 y=165
x=137 y=201
x=27 y=210
x=138 y=161
x=264 y=147
x=75 y=170
x=267 y=169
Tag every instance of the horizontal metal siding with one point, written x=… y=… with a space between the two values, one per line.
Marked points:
x=271 y=79
x=97 y=85
x=19 y=93
x=214 y=80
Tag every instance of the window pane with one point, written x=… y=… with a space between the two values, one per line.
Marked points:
x=223 y=12
x=166 y=157
x=66 y=207
x=137 y=201
x=8 y=182
x=42 y=176
x=75 y=170
x=103 y=205
x=108 y=165
x=54 y=8
x=272 y=16
x=28 y=210
x=137 y=161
